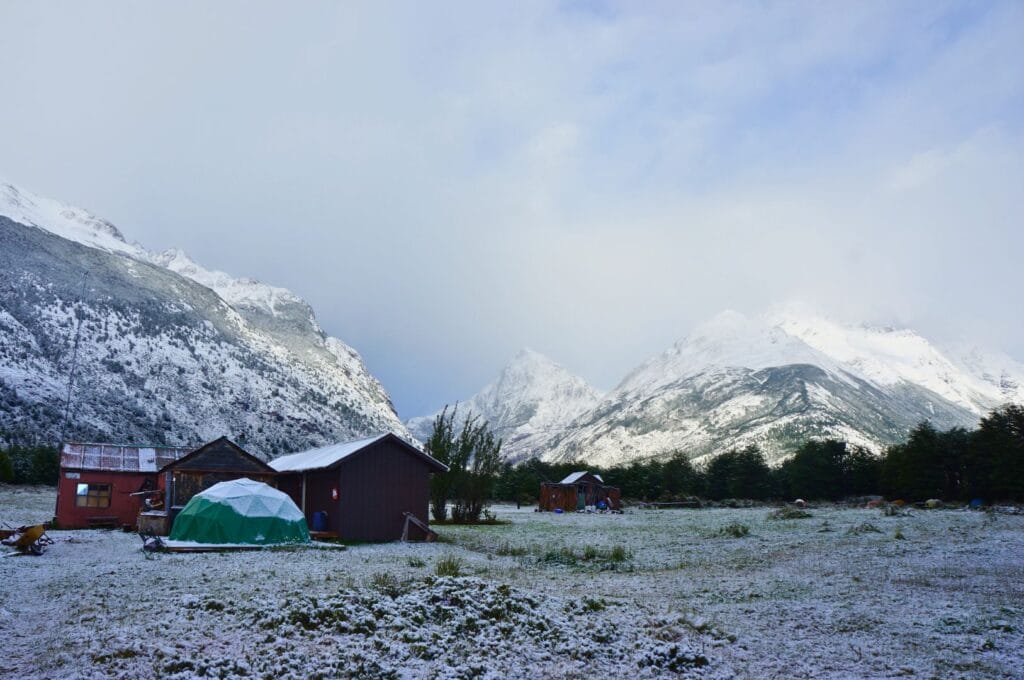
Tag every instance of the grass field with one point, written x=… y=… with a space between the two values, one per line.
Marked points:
x=714 y=592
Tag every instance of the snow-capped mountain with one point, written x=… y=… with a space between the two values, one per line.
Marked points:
x=169 y=352
x=532 y=399
x=779 y=380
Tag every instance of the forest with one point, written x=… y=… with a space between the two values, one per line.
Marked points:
x=985 y=463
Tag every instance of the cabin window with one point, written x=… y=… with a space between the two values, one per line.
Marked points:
x=92 y=496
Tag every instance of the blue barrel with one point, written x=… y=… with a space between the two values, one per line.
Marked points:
x=320 y=521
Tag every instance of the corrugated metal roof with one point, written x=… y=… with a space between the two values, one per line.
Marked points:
x=323 y=457
x=572 y=479
x=119 y=457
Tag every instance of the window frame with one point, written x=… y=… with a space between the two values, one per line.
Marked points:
x=97 y=495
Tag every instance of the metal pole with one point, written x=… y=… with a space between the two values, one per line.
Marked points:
x=74 y=363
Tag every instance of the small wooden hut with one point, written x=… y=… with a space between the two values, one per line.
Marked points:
x=104 y=484
x=579 y=491
x=219 y=461
x=360 y=490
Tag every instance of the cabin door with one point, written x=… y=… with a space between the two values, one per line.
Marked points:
x=581 y=499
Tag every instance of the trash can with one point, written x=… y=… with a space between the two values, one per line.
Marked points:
x=320 y=521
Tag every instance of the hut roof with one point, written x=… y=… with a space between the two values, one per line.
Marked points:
x=576 y=476
x=183 y=462
x=333 y=454
x=119 y=457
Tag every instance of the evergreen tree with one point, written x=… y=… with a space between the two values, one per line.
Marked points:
x=6 y=468
x=473 y=457
x=441 y=446
x=995 y=467
x=741 y=473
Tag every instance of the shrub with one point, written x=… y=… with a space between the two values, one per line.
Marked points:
x=416 y=562
x=734 y=530
x=619 y=554
x=788 y=512
x=449 y=565
x=507 y=549
x=386 y=583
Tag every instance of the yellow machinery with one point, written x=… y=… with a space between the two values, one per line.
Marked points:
x=28 y=540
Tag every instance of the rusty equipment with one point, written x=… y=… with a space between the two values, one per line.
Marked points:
x=27 y=540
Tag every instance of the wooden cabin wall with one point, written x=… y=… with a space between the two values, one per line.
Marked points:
x=376 y=487
x=187 y=483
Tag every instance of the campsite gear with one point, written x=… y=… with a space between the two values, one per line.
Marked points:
x=27 y=540
x=240 y=511
x=933 y=503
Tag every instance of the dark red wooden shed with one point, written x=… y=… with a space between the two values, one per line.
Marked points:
x=579 y=491
x=97 y=481
x=365 y=486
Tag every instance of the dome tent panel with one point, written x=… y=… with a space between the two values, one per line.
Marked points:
x=240 y=511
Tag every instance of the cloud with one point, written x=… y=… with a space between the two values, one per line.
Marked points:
x=448 y=183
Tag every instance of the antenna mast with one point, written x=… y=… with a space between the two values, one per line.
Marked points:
x=74 y=362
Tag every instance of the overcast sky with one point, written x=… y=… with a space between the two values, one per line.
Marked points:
x=447 y=183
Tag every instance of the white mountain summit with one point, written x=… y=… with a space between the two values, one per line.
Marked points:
x=532 y=399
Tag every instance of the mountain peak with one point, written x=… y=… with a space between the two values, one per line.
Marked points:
x=529 y=357
x=532 y=398
x=74 y=224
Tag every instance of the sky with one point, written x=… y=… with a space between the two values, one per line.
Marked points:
x=446 y=183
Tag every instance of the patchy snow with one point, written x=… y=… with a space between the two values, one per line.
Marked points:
x=322 y=457
x=800 y=598
x=235 y=291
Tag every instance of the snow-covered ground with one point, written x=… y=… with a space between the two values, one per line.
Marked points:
x=644 y=594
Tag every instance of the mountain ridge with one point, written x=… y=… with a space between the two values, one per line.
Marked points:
x=171 y=352
x=775 y=381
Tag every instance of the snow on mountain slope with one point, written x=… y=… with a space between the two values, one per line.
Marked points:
x=74 y=224
x=171 y=352
x=887 y=356
x=777 y=380
x=729 y=339
x=1001 y=376
x=774 y=381
x=532 y=399
x=238 y=293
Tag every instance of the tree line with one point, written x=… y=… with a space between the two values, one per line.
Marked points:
x=21 y=464
x=956 y=464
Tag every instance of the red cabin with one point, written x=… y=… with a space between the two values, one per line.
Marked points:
x=578 y=492
x=97 y=482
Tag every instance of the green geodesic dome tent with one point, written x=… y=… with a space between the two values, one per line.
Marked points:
x=240 y=511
